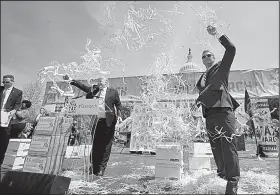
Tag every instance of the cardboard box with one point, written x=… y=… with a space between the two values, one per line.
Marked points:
x=78 y=151
x=169 y=152
x=46 y=126
x=11 y=161
x=63 y=126
x=58 y=145
x=202 y=149
x=40 y=145
x=14 y=168
x=72 y=152
x=17 y=152
x=53 y=126
x=73 y=163
x=34 y=164
x=18 y=147
x=170 y=161
x=53 y=165
x=168 y=171
x=199 y=162
x=43 y=145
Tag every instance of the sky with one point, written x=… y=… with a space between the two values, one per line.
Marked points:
x=35 y=33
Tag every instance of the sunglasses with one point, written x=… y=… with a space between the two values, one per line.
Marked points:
x=208 y=55
x=5 y=82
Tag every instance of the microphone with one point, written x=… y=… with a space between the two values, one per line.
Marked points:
x=77 y=97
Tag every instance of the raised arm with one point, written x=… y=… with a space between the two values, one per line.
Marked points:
x=228 y=55
x=225 y=64
x=81 y=86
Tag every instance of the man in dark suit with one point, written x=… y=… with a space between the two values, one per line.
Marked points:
x=218 y=108
x=103 y=131
x=10 y=98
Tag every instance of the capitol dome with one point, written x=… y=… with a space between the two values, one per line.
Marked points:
x=190 y=66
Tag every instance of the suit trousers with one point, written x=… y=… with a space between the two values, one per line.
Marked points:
x=102 y=145
x=4 y=141
x=16 y=130
x=220 y=124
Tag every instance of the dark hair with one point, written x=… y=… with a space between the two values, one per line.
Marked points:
x=9 y=76
x=209 y=52
x=27 y=103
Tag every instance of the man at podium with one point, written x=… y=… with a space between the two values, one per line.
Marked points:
x=103 y=131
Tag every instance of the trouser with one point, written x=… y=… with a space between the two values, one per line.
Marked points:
x=102 y=145
x=16 y=130
x=220 y=123
x=73 y=137
x=4 y=141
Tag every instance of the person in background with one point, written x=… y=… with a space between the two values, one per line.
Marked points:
x=275 y=123
x=43 y=112
x=10 y=98
x=74 y=135
x=22 y=116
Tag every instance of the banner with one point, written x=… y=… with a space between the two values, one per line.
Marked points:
x=259 y=83
x=83 y=106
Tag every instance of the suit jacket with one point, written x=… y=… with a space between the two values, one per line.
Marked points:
x=215 y=93
x=112 y=100
x=14 y=99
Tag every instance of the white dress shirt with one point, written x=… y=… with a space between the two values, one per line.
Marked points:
x=102 y=110
x=8 y=92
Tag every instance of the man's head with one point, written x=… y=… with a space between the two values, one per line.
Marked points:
x=208 y=58
x=26 y=104
x=8 y=81
x=42 y=110
x=102 y=82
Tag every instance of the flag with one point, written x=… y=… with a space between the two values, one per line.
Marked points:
x=247 y=104
x=248 y=108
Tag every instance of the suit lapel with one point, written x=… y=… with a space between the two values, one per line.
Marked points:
x=11 y=95
x=107 y=94
x=1 y=93
x=211 y=72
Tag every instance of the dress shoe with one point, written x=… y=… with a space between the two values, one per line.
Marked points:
x=231 y=188
x=92 y=171
x=101 y=172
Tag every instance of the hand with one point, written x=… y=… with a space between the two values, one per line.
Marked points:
x=12 y=112
x=119 y=119
x=211 y=30
x=67 y=78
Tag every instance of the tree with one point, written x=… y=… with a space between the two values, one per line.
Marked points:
x=34 y=92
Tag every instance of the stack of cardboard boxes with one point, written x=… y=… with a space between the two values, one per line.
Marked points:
x=48 y=145
x=169 y=161
x=200 y=158
x=16 y=153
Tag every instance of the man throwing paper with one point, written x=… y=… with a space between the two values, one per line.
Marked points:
x=108 y=116
x=218 y=108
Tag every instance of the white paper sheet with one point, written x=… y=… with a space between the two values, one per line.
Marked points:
x=5 y=118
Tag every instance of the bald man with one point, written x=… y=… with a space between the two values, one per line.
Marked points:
x=107 y=118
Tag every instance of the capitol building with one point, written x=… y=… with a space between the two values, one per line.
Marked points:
x=190 y=66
